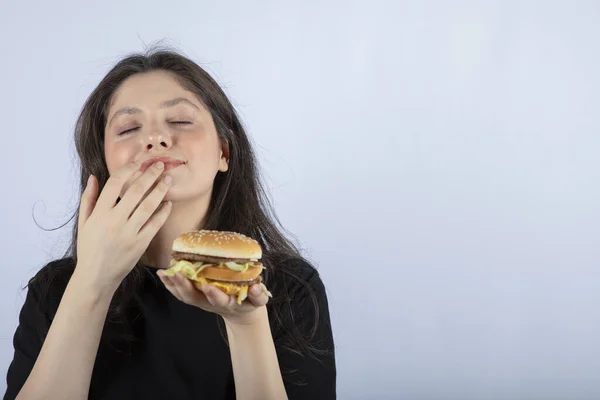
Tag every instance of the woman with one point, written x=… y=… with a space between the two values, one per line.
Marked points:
x=105 y=322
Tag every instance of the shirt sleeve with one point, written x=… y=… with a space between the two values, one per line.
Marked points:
x=313 y=375
x=27 y=342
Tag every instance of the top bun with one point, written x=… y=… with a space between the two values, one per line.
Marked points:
x=218 y=244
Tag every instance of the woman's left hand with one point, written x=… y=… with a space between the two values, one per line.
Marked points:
x=211 y=299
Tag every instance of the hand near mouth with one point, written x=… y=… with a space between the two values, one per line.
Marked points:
x=168 y=162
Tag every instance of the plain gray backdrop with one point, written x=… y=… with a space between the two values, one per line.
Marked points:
x=438 y=160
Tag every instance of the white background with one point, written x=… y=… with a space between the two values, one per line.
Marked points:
x=437 y=159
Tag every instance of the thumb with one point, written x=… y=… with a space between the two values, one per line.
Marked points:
x=88 y=201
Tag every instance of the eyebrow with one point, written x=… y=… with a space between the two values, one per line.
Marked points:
x=165 y=104
x=174 y=102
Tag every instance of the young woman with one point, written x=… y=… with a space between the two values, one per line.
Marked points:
x=105 y=322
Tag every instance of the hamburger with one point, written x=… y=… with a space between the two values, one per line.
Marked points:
x=229 y=261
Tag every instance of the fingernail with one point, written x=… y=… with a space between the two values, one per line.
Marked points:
x=167 y=180
x=159 y=165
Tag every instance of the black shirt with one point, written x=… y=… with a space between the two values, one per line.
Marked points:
x=180 y=351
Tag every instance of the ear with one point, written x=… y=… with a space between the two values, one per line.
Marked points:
x=224 y=160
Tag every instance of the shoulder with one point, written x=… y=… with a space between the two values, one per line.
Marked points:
x=301 y=328
x=297 y=290
x=44 y=293
x=49 y=283
x=56 y=272
x=293 y=275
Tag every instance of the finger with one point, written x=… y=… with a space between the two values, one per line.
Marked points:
x=112 y=189
x=149 y=205
x=216 y=297
x=138 y=189
x=156 y=221
x=188 y=293
x=88 y=201
x=257 y=296
x=132 y=179
x=163 y=278
x=170 y=285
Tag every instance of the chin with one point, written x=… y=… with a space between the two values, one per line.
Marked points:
x=179 y=195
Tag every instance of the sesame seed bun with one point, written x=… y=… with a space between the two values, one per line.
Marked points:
x=218 y=244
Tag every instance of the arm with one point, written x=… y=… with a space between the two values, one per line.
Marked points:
x=259 y=361
x=111 y=237
x=257 y=350
x=264 y=356
x=64 y=366
x=254 y=359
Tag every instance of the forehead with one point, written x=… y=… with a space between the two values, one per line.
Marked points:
x=149 y=88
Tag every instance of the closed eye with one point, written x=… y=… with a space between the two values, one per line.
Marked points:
x=129 y=130
x=181 y=122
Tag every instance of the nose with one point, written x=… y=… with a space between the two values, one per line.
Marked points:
x=157 y=140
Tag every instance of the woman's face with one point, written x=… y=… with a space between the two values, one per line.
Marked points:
x=151 y=116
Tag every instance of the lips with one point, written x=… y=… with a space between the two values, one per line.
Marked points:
x=169 y=162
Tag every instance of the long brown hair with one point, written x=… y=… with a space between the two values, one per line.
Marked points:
x=238 y=202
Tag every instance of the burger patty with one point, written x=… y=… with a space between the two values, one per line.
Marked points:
x=258 y=279
x=177 y=255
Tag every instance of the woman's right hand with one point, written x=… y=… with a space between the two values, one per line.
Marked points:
x=113 y=236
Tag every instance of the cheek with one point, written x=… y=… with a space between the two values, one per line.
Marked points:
x=204 y=154
x=117 y=155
